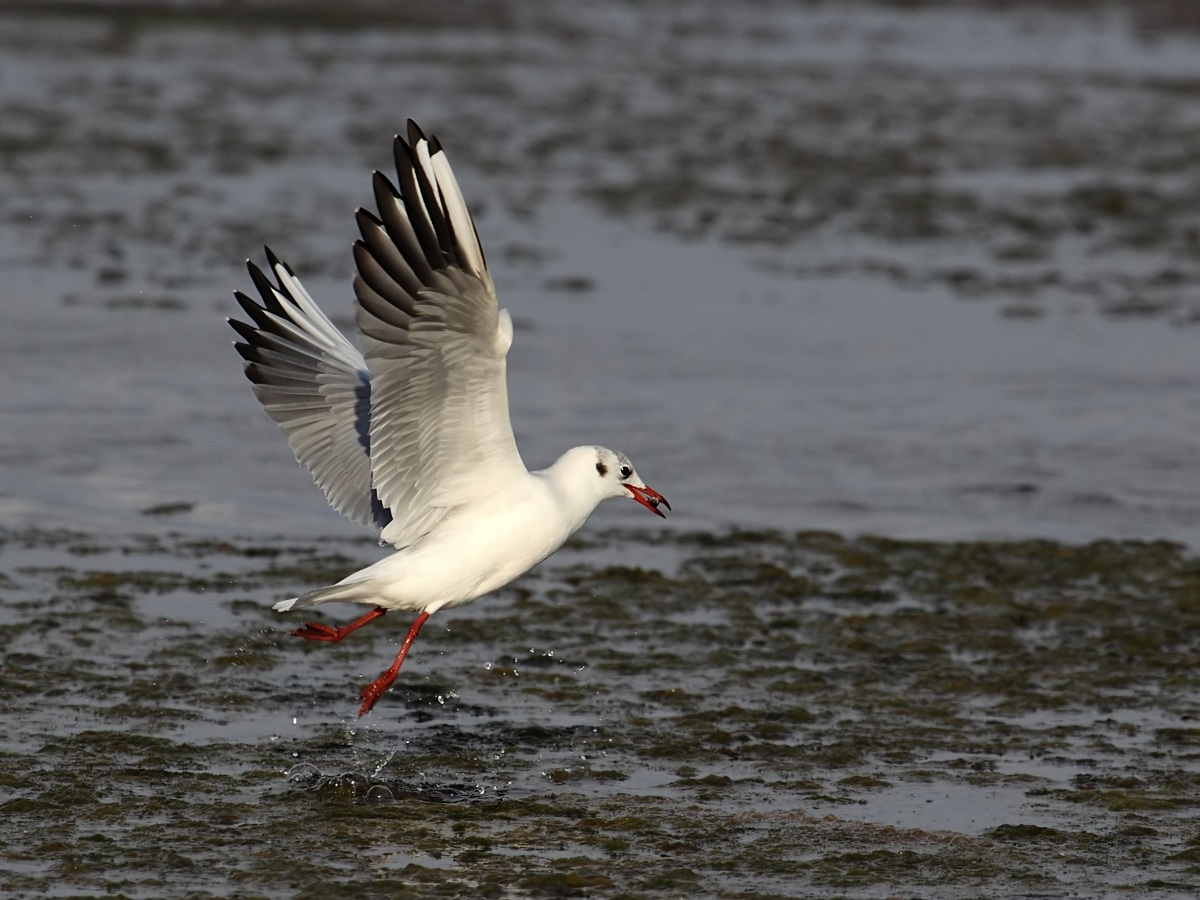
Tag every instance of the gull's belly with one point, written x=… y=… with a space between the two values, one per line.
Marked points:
x=469 y=556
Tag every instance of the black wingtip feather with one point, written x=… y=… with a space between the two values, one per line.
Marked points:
x=400 y=226
x=418 y=203
x=373 y=219
x=435 y=204
x=380 y=182
x=261 y=282
x=247 y=332
x=269 y=292
x=399 y=307
x=247 y=353
x=252 y=308
x=393 y=252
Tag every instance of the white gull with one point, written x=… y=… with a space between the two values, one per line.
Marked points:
x=412 y=434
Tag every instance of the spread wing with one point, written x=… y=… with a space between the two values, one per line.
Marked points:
x=417 y=424
x=435 y=342
x=315 y=385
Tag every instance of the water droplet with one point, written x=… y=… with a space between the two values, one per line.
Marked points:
x=303 y=773
x=383 y=765
x=379 y=794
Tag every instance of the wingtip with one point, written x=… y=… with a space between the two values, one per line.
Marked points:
x=276 y=263
x=261 y=282
x=381 y=183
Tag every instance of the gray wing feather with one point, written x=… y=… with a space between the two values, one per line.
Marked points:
x=315 y=385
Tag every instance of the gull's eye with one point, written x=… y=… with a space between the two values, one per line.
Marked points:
x=625 y=472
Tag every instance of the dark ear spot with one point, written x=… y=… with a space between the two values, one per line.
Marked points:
x=601 y=468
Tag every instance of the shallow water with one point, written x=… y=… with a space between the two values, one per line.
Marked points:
x=927 y=273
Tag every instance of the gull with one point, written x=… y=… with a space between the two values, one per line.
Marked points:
x=411 y=434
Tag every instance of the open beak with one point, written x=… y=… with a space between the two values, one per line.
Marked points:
x=649 y=498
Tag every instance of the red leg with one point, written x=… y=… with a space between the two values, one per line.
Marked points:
x=315 y=631
x=373 y=691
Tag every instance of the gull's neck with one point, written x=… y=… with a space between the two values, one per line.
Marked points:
x=575 y=493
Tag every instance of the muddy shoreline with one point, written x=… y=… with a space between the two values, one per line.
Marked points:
x=780 y=712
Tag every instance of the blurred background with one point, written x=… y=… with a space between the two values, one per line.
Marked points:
x=918 y=269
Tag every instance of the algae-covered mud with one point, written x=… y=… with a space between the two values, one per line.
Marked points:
x=768 y=714
x=924 y=270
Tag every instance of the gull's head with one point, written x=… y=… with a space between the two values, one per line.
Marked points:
x=615 y=476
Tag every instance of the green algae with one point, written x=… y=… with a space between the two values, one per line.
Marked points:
x=760 y=713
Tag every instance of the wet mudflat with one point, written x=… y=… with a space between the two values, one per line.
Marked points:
x=767 y=713
x=929 y=272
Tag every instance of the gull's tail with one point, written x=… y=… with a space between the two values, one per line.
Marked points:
x=350 y=592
